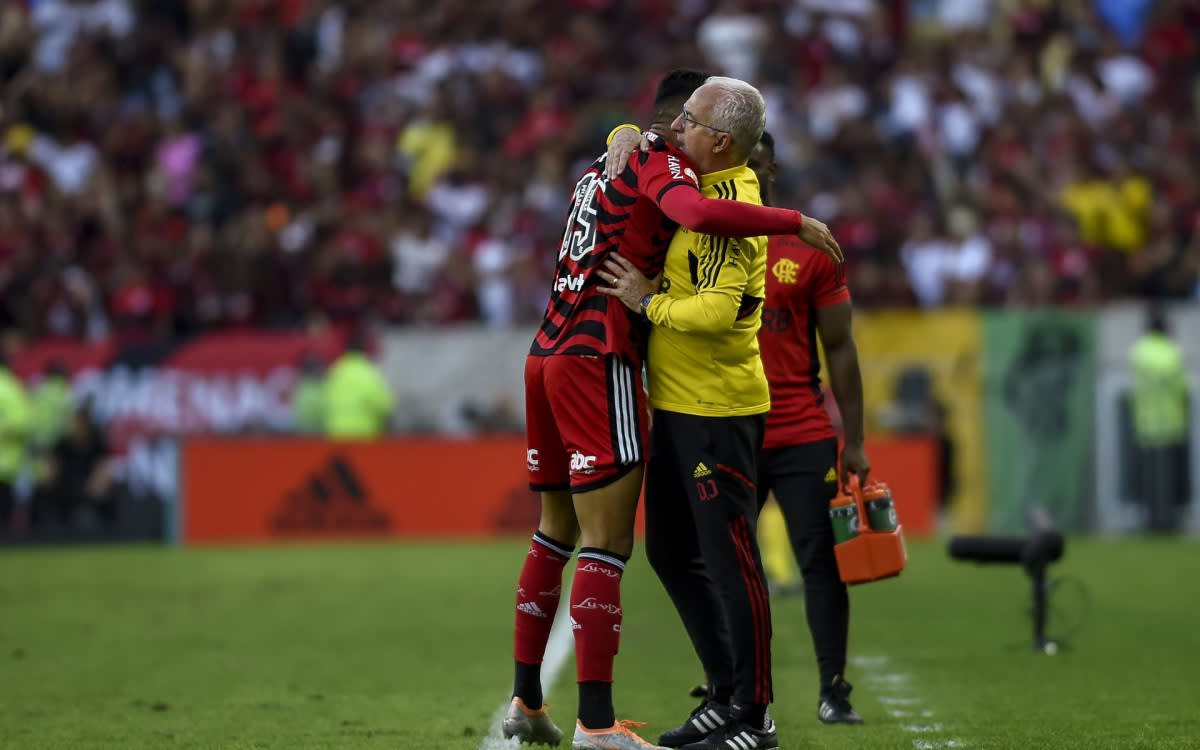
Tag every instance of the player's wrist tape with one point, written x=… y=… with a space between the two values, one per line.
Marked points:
x=612 y=133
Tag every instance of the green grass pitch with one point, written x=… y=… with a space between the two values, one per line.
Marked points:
x=408 y=646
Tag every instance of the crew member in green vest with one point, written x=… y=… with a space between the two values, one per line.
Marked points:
x=51 y=405
x=1160 y=419
x=14 y=437
x=308 y=397
x=358 y=401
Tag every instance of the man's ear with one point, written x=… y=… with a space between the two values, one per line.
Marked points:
x=724 y=142
x=773 y=170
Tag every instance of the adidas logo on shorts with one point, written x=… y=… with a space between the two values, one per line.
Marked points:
x=701 y=471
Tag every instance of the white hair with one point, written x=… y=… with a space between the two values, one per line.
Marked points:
x=740 y=111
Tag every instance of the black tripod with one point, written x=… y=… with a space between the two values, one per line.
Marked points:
x=1034 y=553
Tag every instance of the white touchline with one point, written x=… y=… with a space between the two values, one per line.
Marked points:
x=888 y=679
x=869 y=662
x=872 y=667
x=896 y=713
x=891 y=700
x=558 y=648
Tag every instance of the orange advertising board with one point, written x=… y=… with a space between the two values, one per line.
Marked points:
x=258 y=489
x=278 y=488
x=909 y=465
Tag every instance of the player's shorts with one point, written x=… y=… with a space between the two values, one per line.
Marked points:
x=585 y=421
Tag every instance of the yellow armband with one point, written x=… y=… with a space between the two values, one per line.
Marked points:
x=614 y=131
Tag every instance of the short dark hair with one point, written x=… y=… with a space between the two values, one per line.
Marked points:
x=678 y=84
x=768 y=142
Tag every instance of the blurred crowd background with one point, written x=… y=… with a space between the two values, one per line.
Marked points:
x=202 y=202
x=173 y=167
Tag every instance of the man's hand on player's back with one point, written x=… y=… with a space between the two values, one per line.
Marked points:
x=627 y=282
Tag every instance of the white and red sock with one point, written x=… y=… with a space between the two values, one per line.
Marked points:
x=538 y=592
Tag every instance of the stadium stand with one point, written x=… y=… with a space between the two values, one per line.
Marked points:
x=173 y=167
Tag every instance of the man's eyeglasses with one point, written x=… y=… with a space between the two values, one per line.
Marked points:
x=688 y=118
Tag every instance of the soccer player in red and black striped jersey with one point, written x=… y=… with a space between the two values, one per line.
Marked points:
x=807 y=297
x=586 y=412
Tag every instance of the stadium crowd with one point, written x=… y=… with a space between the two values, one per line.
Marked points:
x=169 y=167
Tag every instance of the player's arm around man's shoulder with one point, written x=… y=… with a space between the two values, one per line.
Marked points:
x=661 y=167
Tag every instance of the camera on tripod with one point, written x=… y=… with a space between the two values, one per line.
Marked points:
x=1034 y=553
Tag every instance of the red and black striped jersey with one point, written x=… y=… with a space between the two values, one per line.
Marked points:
x=800 y=280
x=621 y=215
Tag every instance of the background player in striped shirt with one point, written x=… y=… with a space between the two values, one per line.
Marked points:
x=807 y=296
x=586 y=415
x=710 y=398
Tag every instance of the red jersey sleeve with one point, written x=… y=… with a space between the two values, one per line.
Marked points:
x=728 y=218
x=829 y=281
x=661 y=171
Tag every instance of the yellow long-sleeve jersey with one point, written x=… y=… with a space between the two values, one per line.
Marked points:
x=703 y=357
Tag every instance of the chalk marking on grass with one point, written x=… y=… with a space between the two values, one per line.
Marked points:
x=895 y=700
x=898 y=682
x=869 y=662
x=558 y=650
x=894 y=678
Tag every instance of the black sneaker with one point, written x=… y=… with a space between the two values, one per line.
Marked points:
x=739 y=735
x=708 y=717
x=835 y=707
